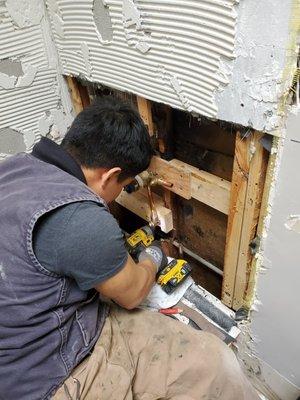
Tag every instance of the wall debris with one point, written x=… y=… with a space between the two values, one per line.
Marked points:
x=45 y=123
x=293 y=223
x=131 y=14
x=29 y=138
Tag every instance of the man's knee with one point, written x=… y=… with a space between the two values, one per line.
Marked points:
x=219 y=358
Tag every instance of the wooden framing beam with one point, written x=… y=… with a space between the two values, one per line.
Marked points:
x=177 y=176
x=79 y=94
x=206 y=187
x=256 y=181
x=235 y=219
x=246 y=193
x=144 y=107
x=138 y=204
x=187 y=181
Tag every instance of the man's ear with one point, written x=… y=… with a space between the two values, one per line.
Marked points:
x=108 y=175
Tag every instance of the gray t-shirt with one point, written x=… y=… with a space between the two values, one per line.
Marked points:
x=81 y=240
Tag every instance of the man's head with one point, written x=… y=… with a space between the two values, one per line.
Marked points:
x=111 y=143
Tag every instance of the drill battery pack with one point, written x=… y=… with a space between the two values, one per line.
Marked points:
x=173 y=275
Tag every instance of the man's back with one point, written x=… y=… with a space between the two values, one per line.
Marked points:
x=47 y=323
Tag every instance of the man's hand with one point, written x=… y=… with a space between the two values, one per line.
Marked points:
x=155 y=253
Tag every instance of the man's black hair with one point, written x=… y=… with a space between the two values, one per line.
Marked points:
x=110 y=133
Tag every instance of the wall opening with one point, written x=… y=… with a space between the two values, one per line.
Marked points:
x=215 y=226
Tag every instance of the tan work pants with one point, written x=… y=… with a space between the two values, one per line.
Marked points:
x=147 y=356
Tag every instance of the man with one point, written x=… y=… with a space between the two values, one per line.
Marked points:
x=60 y=247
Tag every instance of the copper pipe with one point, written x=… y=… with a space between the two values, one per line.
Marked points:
x=154 y=221
x=156 y=181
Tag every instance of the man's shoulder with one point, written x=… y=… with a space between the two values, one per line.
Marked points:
x=81 y=240
x=83 y=214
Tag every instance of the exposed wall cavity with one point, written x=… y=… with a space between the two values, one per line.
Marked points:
x=33 y=98
x=168 y=51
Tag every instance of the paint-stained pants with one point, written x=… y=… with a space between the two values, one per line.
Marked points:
x=147 y=356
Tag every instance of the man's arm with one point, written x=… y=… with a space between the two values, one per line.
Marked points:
x=84 y=242
x=131 y=285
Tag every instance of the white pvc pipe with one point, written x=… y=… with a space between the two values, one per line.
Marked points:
x=198 y=258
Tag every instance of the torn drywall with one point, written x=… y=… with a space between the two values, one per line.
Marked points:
x=30 y=86
x=15 y=78
x=11 y=141
x=215 y=58
x=11 y=67
x=102 y=21
x=275 y=324
x=25 y=13
x=187 y=40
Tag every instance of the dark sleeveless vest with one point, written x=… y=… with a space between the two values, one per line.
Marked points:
x=47 y=324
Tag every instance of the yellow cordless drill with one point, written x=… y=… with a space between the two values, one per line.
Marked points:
x=170 y=277
x=139 y=240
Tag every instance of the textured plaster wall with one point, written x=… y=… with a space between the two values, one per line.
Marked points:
x=168 y=51
x=34 y=101
x=275 y=321
x=256 y=83
x=218 y=58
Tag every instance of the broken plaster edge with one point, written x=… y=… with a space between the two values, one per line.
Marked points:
x=55 y=62
x=285 y=108
x=268 y=120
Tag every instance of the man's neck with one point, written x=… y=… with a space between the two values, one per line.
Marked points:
x=48 y=151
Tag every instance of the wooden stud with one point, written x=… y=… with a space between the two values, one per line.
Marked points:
x=256 y=180
x=73 y=85
x=248 y=178
x=138 y=203
x=235 y=219
x=206 y=187
x=177 y=176
x=164 y=134
x=84 y=94
x=144 y=107
x=267 y=177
